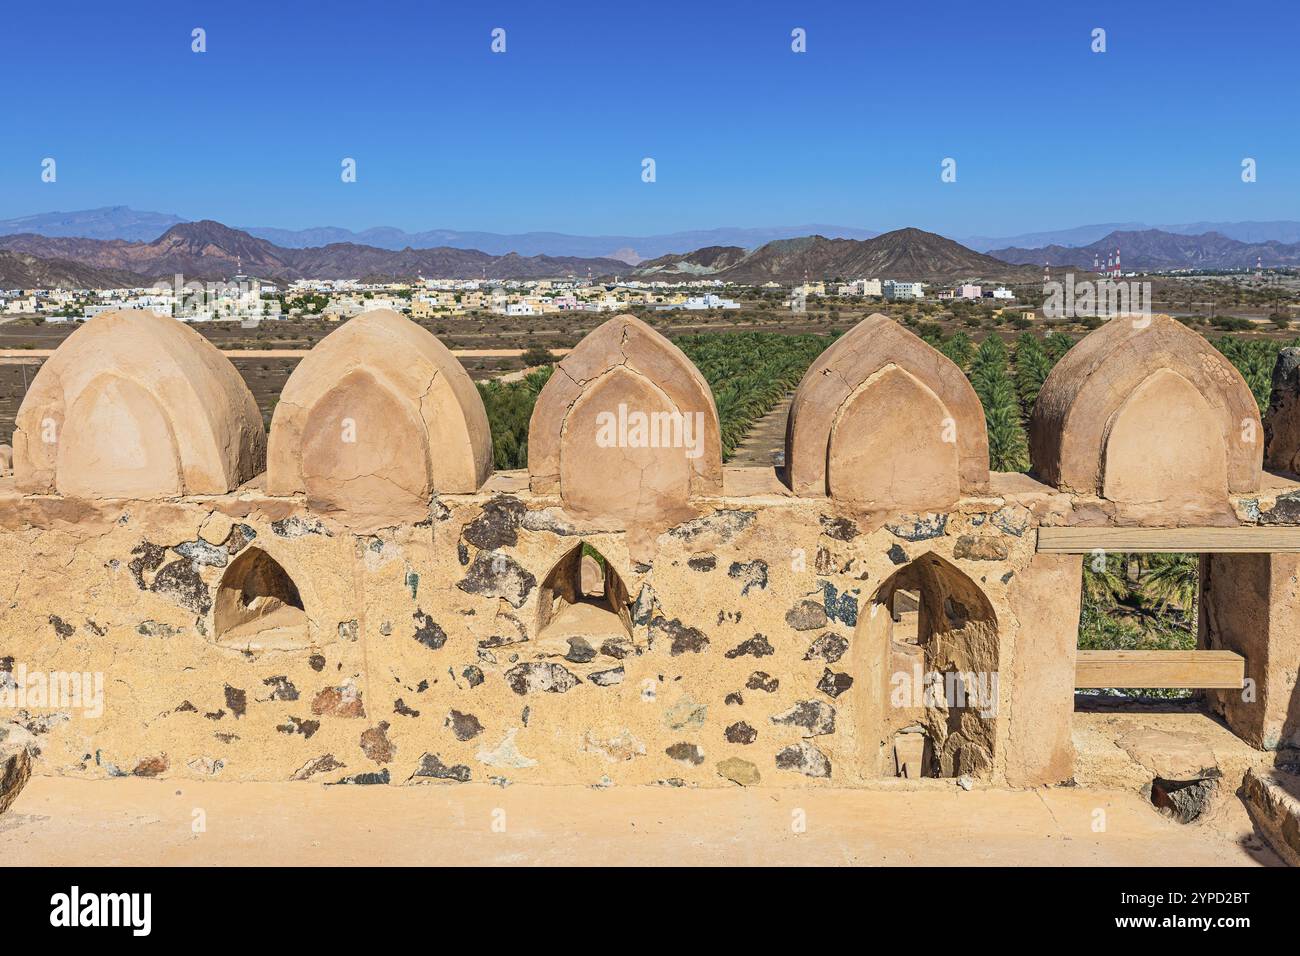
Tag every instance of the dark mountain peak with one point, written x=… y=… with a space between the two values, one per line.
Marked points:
x=204 y=230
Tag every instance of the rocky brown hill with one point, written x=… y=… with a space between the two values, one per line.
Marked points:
x=905 y=254
x=19 y=270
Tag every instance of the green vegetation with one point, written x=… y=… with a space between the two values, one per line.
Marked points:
x=1140 y=602
x=989 y=374
x=537 y=355
x=509 y=407
x=749 y=373
x=1254 y=359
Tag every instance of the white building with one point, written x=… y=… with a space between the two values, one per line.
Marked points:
x=903 y=290
x=709 y=300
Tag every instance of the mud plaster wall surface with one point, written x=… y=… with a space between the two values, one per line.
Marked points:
x=423 y=662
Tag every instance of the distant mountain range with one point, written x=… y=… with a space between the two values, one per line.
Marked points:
x=629 y=249
x=120 y=222
x=1154 y=249
x=1279 y=230
x=210 y=250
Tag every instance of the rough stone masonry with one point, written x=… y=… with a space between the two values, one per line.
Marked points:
x=359 y=600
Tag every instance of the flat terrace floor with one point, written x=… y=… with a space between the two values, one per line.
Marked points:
x=60 y=821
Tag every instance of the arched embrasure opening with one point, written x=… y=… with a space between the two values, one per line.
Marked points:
x=583 y=596
x=258 y=604
x=927 y=648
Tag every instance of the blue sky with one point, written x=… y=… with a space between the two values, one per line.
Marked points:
x=550 y=135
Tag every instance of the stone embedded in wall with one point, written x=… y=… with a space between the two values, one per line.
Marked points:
x=740 y=733
x=497 y=526
x=378 y=418
x=296 y=725
x=1146 y=413
x=533 y=677
x=151 y=766
x=806 y=616
x=432 y=768
x=427 y=631
x=842 y=608
x=829 y=647
x=281 y=688
x=134 y=404
x=464 y=726
x=841 y=529
x=834 y=683
x=753 y=574
x=980 y=548
x=606 y=678
x=376 y=745
x=882 y=421
x=342 y=701
x=686 y=712
x=366 y=779
x=682 y=639
x=740 y=772
x=497 y=575
x=687 y=753
x=804 y=758
x=919 y=527
x=625 y=429
x=815 y=716
x=756 y=646
x=713 y=530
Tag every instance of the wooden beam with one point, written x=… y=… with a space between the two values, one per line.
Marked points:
x=1249 y=539
x=1192 y=669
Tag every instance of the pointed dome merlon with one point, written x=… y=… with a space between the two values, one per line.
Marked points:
x=626 y=426
x=137 y=405
x=376 y=419
x=882 y=420
x=1144 y=410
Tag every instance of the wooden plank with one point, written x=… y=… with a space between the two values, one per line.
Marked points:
x=1243 y=540
x=1191 y=669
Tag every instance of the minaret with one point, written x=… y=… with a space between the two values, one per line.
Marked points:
x=1117 y=269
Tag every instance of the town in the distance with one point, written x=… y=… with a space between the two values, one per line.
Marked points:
x=207 y=272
